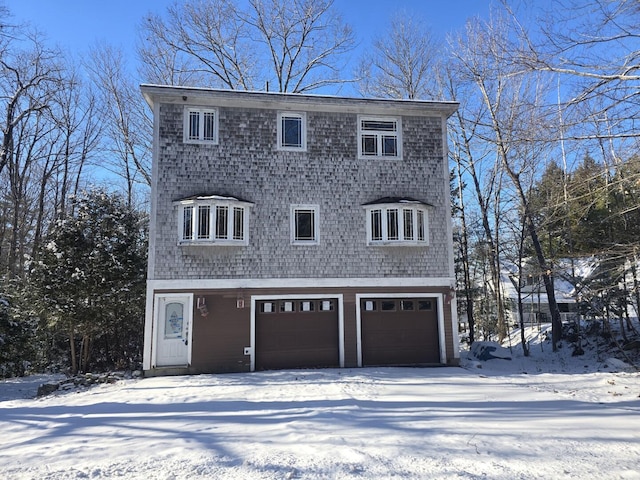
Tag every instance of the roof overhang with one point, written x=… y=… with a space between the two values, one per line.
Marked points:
x=293 y=101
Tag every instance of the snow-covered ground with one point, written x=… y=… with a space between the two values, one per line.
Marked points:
x=566 y=417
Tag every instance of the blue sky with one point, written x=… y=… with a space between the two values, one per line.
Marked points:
x=77 y=24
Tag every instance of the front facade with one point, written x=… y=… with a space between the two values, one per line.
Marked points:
x=297 y=231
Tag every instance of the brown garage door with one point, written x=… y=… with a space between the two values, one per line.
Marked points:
x=296 y=334
x=399 y=331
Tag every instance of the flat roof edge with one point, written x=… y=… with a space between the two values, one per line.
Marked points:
x=154 y=93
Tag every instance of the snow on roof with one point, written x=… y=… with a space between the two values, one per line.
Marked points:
x=385 y=200
x=213 y=196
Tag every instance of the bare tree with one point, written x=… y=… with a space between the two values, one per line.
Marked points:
x=304 y=39
x=28 y=78
x=128 y=145
x=200 y=42
x=402 y=61
x=513 y=102
x=296 y=45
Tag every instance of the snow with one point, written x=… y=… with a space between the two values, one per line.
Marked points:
x=549 y=415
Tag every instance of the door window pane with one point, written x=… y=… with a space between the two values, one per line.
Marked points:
x=173 y=320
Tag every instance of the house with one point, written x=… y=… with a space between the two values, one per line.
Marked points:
x=297 y=231
x=533 y=294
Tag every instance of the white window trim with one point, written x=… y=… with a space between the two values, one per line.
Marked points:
x=398 y=132
x=303 y=117
x=212 y=204
x=316 y=221
x=401 y=241
x=201 y=111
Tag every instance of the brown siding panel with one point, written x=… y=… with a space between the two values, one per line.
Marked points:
x=220 y=337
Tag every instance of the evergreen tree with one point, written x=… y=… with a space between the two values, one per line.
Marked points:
x=88 y=282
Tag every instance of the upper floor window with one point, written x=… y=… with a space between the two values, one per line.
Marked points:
x=292 y=131
x=304 y=224
x=404 y=222
x=201 y=125
x=213 y=219
x=379 y=137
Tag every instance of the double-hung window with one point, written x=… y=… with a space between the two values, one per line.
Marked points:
x=304 y=224
x=201 y=125
x=213 y=220
x=379 y=137
x=402 y=223
x=292 y=131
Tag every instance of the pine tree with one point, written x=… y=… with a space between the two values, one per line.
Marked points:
x=88 y=281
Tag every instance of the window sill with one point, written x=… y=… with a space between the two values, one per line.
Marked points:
x=292 y=149
x=201 y=142
x=378 y=157
x=397 y=243
x=210 y=243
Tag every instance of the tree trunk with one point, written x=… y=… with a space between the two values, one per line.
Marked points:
x=72 y=350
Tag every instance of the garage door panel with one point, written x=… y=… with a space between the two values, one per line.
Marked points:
x=399 y=337
x=297 y=339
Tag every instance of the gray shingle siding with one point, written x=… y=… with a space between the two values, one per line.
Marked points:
x=247 y=164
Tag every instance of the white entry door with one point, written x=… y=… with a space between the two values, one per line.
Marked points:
x=173 y=336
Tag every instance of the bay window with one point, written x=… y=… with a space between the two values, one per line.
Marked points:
x=399 y=223
x=213 y=220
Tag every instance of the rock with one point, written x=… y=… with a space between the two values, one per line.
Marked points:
x=489 y=350
x=632 y=345
x=47 y=389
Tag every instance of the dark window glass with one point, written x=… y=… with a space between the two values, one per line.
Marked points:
x=388 y=305
x=304 y=225
x=203 y=221
x=369 y=145
x=222 y=216
x=238 y=223
x=424 y=305
x=187 y=226
x=291 y=131
x=194 y=125
x=406 y=305
x=389 y=146
x=379 y=125
x=408 y=224
x=209 y=126
x=420 y=226
x=392 y=224
x=376 y=224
